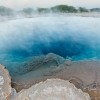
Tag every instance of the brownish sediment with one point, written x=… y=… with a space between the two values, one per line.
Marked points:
x=92 y=89
x=85 y=71
x=51 y=88
x=83 y=74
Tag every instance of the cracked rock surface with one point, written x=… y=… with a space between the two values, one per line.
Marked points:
x=5 y=83
x=52 y=89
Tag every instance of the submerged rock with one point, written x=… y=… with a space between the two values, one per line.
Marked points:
x=5 y=83
x=52 y=89
x=50 y=60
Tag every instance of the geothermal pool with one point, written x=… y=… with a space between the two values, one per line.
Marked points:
x=74 y=37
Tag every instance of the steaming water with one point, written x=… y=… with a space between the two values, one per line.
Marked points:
x=75 y=37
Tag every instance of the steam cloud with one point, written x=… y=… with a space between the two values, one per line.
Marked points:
x=76 y=37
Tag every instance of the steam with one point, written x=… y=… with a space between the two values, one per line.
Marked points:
x=76 y=37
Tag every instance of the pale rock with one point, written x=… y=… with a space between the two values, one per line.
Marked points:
x=5 y=83
x=52 y=89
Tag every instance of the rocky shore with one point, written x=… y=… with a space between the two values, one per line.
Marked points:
x=52 y=89
x=83 y=74
x=5 y=83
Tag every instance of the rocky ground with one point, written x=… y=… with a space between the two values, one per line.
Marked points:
x=52 y=89
x=83 y=74
x=5 y=83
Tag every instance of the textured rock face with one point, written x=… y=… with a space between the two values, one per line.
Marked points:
x=5 y=83
x=50 y=60
x=52 y=89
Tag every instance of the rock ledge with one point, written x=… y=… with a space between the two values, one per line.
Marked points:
x=52 y=89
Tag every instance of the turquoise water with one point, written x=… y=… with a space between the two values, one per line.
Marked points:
x=74 y=37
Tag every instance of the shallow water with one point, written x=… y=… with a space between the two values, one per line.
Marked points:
x=74 y=37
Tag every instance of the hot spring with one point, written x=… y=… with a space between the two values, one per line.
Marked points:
x=72 y=37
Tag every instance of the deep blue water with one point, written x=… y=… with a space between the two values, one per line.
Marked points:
x=74 y=37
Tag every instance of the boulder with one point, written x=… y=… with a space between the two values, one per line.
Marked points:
x=52 y=89
x=49 y=60
x=5 y=83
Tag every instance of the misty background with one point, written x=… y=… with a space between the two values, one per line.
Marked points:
x=9 y=13
x=20 y=4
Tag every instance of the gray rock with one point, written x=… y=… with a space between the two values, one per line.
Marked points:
x=52 y=89
x=50 y=60
x=5 y=84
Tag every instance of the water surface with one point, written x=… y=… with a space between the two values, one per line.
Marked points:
x=74 y=37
